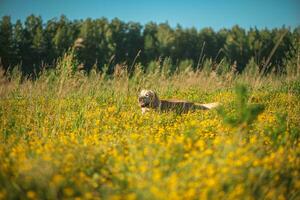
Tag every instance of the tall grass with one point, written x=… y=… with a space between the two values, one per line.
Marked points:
x=69 y=134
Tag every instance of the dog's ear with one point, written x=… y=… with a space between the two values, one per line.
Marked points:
x=155 y=100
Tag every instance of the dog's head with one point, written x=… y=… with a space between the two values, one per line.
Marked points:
x=148 y=99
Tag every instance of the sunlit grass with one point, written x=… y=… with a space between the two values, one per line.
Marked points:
x=84 y=137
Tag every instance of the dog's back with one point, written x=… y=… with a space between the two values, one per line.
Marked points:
x=176 y=105
x=184 y=106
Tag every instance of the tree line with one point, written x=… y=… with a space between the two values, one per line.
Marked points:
x=33 y=45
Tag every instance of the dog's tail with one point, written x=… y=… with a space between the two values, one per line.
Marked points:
x=208 y=106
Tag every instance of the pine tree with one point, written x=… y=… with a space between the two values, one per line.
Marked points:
x=34 y=45
x=150 y=42
x=6 y=42
x=18 y=43
x=236 y=48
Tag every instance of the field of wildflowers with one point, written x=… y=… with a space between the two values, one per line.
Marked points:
x=76 y=136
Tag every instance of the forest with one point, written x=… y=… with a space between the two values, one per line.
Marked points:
x=34 y=45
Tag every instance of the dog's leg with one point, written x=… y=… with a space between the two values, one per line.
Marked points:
x=144 y=110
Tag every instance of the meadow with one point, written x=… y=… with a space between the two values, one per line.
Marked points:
x=72 y=135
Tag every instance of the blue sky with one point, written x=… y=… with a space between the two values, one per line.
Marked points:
x=188 y=13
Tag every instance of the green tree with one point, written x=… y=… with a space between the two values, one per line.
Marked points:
x=150 y=42
x=236 y=47
x=285 y=45
x=207 y=37
x=292 y=60
x=186 y=44
x=64 y=35
x=106 y=43
x=18 y=43
x=49 y=33
x=165 y=40
x=6 y=42
x=133 y=40
x=34 y=45
x=255 y=44
x=88 y=54
x=103 y=42
x=118 y=32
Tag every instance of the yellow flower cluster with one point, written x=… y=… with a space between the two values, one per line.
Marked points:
x=82 y=148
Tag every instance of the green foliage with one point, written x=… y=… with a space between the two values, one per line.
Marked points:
x=6 y=41
x=277 y=133
x=245 y=113
x=292 y=61
x=236 y=47
x=35 y=45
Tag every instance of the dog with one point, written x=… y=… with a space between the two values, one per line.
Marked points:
x=148 y=99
